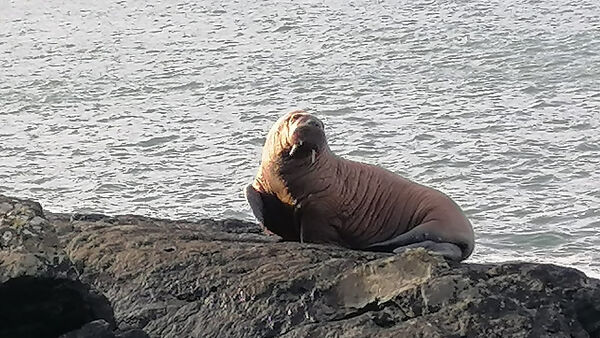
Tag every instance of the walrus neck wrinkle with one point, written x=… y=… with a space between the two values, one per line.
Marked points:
x=308 y=178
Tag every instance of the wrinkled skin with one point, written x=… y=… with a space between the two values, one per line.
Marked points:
x=303 y=192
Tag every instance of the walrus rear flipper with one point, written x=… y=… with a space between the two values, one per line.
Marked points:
x=448 y=250
x=273 y=215
x=424 y=236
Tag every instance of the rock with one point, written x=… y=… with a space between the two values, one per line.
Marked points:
x=133 y=333
x=40 y=291
x=29 y=245
x=95 y=329
x=224 y=278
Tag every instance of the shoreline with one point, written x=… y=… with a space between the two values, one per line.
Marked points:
x=591 y=271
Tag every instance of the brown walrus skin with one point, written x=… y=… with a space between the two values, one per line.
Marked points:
x=303 y=192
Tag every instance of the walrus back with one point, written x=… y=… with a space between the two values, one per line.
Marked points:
x=375 y=204
x=393 y=205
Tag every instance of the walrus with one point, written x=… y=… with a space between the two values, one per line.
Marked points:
x=304 y=192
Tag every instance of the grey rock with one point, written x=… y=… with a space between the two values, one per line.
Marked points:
x=5 y=208
x=225 y=279
x=40 y=294
x=134 y=333
x=95 y=329
x=29 y=245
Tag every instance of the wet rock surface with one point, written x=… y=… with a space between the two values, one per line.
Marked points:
x=132 y=276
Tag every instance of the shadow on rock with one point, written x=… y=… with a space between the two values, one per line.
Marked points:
x=44 y=307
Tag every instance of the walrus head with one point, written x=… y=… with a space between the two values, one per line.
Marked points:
x=296 y=135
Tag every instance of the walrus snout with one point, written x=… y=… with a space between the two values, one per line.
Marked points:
x=312 y=122
x=306 y=129
x=307 y=136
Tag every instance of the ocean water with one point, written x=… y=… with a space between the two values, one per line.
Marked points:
x=161 y=108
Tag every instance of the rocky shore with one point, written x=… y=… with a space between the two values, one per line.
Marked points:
x=92 y=275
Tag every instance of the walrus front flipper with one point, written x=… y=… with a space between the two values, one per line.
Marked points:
x=272 y=214
x=448 y=250
x=256 y=204
x=316 y=229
